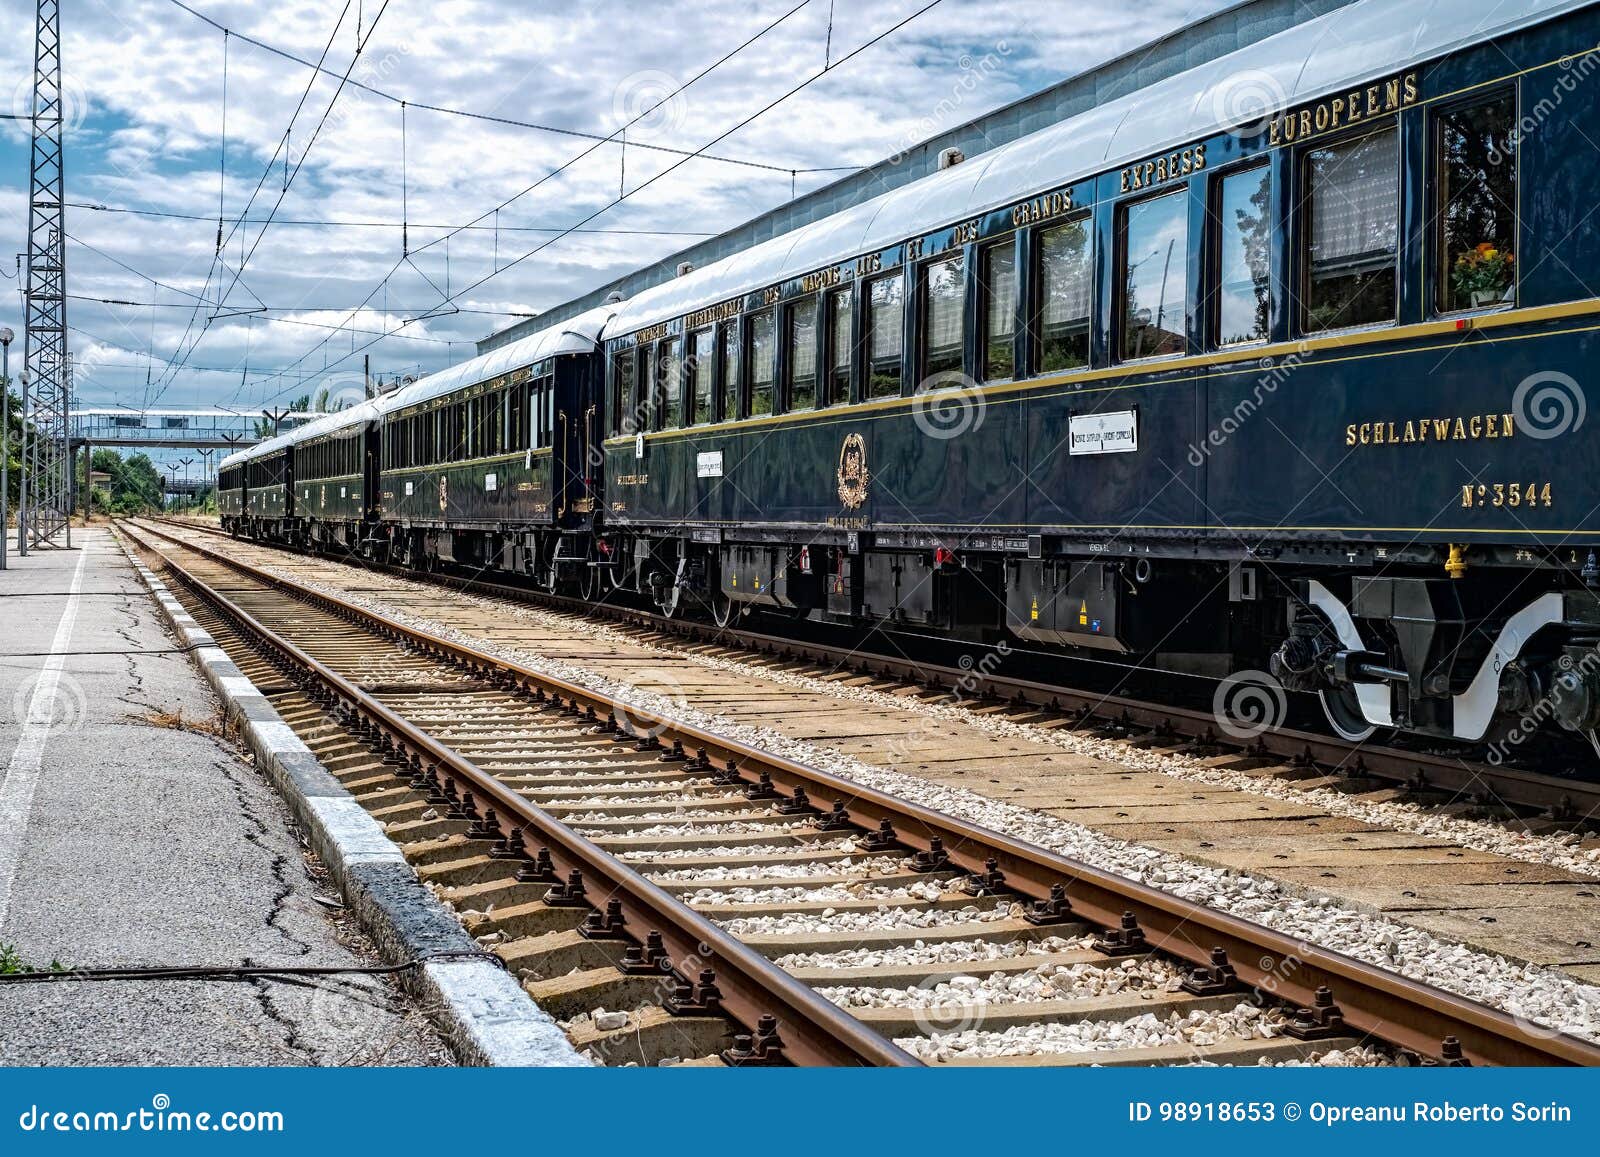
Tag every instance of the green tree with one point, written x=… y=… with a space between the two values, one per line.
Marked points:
x=135 y=485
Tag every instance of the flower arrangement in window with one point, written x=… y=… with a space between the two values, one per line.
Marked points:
x=1482 y=275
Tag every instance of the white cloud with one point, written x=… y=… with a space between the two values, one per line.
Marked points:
x=147 y=77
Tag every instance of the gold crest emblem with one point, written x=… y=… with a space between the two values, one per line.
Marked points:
x=853 y=475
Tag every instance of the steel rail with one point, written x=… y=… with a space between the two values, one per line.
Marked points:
x=1420 y=771
x=1406 y=1013
x=814 y=1031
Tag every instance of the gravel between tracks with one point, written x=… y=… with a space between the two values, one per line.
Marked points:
x=1540 y=996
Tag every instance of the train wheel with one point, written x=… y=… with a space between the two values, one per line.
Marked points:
x=589 y=589
x=1343 y=710
x=724 y=611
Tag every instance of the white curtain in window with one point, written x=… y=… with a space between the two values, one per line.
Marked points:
x=1355 y=198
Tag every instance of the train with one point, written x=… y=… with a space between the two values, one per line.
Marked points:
x=1275 y=367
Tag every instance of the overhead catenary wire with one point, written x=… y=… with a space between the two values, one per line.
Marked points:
x=341 y=223
x=878 y=38
x=493 y=118
x=706 y=71
x=265 y=173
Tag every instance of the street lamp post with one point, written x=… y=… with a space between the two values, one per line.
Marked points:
x=22 y=481
x=6 y=338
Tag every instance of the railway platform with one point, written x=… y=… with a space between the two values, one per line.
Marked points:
x=134 y=832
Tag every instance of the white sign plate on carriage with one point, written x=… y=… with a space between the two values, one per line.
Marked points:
x=708 y=464
x=1110 y=432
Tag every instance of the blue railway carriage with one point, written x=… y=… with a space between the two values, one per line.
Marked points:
x=1181 y=381
x=336 y=479
x=486 y=464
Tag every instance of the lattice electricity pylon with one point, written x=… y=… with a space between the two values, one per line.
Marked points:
x=49 y=463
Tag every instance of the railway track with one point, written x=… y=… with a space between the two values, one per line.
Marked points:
x=1535 y=799
x=693 y=885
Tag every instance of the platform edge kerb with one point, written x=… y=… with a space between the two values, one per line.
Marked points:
x=478 y=1006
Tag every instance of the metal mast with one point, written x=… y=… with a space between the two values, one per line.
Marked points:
x=49 y=460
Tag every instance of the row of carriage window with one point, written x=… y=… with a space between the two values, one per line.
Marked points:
x=331 y=458
x=1349 y=248
x=514 y=414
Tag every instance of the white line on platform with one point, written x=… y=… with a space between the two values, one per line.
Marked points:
x=22 y=773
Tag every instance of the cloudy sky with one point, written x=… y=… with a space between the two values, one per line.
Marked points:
x=326 y=282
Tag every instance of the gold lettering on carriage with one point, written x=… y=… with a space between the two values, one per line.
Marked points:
x=1042 y=208
x=1463 y=428
x=1175 y=166
x=714 y=313
x=1342 y=111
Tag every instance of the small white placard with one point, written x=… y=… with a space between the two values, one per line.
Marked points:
x=708 y=464
x=638 y=445
x=408 y=489
x=491 y=482
x=1109 y=432
x=342 y=493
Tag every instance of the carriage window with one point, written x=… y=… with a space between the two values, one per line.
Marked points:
x=1061 y=310
x=1353 y=195
x=643 y=389
x=671 y=384
x=728 y=388
x=1243 y=224
x=885 y=333
x=702 y=362
x=516 y=407
x=802 y=366
x=837 y=384
x=621 y=390
x=944 y=314
x=999 y=310
x=1154 y=276
x=1478 y=188
x=763 y=362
